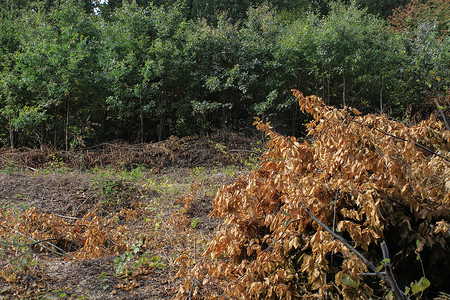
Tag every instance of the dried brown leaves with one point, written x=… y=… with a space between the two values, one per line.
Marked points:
x=86 y=238
x=363 y=176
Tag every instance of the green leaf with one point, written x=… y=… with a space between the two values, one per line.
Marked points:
x=407 y=290
x=195 y=222
x=347 y=280
x=420 y=286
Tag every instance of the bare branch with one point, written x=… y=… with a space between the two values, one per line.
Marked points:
x=387 y=276
x=61 y=251
x=391 y=279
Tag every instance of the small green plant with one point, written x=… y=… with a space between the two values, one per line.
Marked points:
x=231 y=170
x=252 y=162
x=56 y=164
x=417 y=287
x=10 y=167
x=59 y=293
x=121 y=262
x=153 y=262
x=101 y=280
x=194 y=222
x=124 y=267
x=106 y=187
x=221 y=148
x=136 y=174
x=23 y=196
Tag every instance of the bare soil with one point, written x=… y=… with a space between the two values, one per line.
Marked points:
x=53 y=184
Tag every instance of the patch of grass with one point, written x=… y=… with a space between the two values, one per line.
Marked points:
x=136 y=174
x=55 y=165
x=10 y=168
x=101 y=280
x=131 y=260
x=8 y=206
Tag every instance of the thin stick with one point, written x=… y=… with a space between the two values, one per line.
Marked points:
x=346 y=244
x=76 y=210
x=40 y=243
x=391 y=279
x=67 y=217
x=444 y=117
x=402 y=139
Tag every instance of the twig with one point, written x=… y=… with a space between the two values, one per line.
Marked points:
x=67 y=217
x=444 y=117
x=387 y=276
x=192 y=287
x=391 y=279
x=402 y=139
x=334 y=208
x=62 y=252
x=76 y=210
x=258 y=202
x=346 y=244
x=371 y=274
x=38 y=242
x=167 y=257
x=32 y=169
x=241 y=150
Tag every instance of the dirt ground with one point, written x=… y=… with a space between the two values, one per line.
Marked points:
x=169 y=205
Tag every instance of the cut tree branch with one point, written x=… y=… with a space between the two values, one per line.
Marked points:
x=391 y=279
x=387 y=277
x=444 y=117
x=402 y=139
x=61 y=251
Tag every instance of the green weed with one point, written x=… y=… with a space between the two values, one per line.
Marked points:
x=129 y=261
x=56 y=165
x=194 y=222
x=10 y=168
x=101 y=280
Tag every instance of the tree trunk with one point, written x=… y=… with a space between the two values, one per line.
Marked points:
x=161 y=124
x=296 y=108
x=141 y=129
x=11 y=134
x=343 y=88
x=444 y=117
x=67 y=124
x=328 y=84
x=55 y=124
x=381 y=94
x=41 y=135
x=190 y=9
